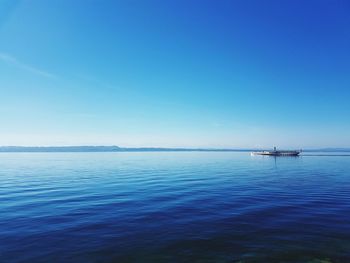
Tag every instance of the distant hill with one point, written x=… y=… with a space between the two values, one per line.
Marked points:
x=60 y=149
x=104 y=149
x=142 y=149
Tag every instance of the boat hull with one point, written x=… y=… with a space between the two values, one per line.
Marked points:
x=277 y=153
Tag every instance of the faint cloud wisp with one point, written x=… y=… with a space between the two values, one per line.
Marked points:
x=14 y=61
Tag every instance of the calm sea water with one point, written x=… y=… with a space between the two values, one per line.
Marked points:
x=173 y=207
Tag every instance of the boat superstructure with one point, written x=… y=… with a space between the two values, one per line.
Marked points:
x=277 y=153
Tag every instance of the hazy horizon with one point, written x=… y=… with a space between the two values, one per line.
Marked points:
x=107 y=148
x=189 y=74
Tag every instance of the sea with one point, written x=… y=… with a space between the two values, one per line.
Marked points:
x=174 y=207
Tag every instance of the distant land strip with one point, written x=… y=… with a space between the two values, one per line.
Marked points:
x=141 y=149
x=107 y=149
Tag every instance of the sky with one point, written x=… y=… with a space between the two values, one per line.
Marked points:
x=184 y=73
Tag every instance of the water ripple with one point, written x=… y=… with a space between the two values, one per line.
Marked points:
x=173 y=207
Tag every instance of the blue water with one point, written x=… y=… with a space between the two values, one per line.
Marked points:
x=173 y=207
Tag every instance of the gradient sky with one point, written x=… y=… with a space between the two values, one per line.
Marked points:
x=175 y=73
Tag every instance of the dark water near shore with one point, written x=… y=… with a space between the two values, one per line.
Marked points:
x=173 y=207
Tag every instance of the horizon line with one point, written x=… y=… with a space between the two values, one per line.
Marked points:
x=115 y=148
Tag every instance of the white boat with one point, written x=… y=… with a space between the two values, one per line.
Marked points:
x=277 y=153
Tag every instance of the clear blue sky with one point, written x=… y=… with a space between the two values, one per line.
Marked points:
x=175 y=73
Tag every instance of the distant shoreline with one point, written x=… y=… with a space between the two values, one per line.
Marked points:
x=140 y=149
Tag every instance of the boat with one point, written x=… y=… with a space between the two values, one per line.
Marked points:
x=277 y=153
